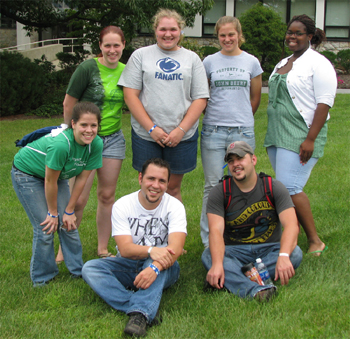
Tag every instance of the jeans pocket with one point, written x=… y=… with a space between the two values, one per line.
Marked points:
x=207 y=130
x=20 y=176
x=27 y=181
x=248 y=132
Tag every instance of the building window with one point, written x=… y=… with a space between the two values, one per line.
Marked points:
x=337 y=21
x=242 y=5
x=212 y=16
x=6 y=22
x=279 y=6
x=285 y=8
x=299 y=7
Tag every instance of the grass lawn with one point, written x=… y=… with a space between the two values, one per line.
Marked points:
x=315 y=304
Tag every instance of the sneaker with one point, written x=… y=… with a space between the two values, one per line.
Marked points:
x=265 y=295
x=136 y=325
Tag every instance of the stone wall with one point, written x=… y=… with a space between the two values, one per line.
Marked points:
x=8 y=37
x=50 y=52
x=142 y=41
x=333 y=46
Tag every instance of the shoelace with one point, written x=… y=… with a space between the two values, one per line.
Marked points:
x=138 y=319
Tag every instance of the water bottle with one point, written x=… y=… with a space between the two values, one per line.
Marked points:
x=252 y=273
x=263 y=272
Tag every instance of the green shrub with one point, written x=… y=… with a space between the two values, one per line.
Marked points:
x=343 y=59
x=61 y=78
x=128 y=50
x=330 y=56
x=264 y=33
x=22 y=82
x=208 y=50
x=47 y=110
x=72 y=60
x=46 y=65
x=193 y=45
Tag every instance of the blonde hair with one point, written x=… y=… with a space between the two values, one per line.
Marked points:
x=230 y=20
x=169 y=13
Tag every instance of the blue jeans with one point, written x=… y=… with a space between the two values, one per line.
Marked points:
x=214 y=142
x=112 y=279
x=288 y=169
x=30 y=192
x=237 y=256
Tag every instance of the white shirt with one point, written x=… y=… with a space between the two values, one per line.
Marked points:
x=148 y=227
x=311 y=81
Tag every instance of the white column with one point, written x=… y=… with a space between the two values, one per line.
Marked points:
x=196 y=30
x=230 y=7
x=320 y=14
x=21 y=37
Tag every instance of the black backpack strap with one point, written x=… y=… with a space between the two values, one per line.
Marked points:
x=268 y=188
x=226 y=183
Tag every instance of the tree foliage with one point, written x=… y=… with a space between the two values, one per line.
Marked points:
x=264 y=33
x=87 y=17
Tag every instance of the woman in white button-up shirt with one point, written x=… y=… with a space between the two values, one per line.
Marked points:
x=302 y=90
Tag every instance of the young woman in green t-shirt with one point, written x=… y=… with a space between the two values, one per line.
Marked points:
x=40 y=176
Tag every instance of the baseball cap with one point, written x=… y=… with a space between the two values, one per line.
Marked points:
x=240 y=148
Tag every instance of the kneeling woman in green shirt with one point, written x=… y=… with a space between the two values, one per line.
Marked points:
x=40 y=176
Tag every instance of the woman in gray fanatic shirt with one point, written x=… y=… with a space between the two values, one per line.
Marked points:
x=166 y=90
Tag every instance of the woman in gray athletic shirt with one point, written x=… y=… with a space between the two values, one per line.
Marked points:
x=166 y=90
x=235 y=90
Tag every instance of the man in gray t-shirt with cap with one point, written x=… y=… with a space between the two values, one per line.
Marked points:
x=248 y=226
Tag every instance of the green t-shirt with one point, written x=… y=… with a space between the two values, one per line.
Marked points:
x=286 y=128
x=60 y=153
x=97 y=83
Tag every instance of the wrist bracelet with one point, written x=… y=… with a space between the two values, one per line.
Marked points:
x=154 y=268
x=65 y=212
x=52 y=216
x=283 y=255
x=182 y=129
x=149 y=251
x=151 y=130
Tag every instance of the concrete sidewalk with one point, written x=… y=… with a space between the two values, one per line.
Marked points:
x=339 y=90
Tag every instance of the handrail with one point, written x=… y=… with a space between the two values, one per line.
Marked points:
x=42 y=43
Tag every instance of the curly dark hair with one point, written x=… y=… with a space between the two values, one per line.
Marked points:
x=318 y=35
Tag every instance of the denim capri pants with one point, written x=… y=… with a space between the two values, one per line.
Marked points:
x=288 y=169
x=182 y=158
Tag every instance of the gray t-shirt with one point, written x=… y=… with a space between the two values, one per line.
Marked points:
x=250 y=219
x=169 y=81
x=230 y=76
